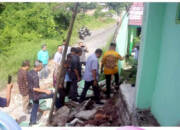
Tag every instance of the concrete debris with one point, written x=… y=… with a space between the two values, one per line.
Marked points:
x=114 y=112
x=144 y=118
x=76 y=122
x=86 y=115
x=78 y=108
x=61 y=116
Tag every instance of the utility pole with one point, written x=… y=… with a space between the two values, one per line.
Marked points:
x=60 y=74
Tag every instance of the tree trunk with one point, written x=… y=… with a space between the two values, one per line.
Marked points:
x=61 y=73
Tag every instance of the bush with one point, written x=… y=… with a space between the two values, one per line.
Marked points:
x=25 y=26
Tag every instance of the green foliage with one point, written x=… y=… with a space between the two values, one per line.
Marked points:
x=117 y=6
x=86 y=6
x=29 y=21
x=25 y=26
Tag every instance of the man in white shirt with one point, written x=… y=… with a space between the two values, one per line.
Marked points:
x=84 y=51
x=57 y=61
x=91 y=76
x=58 y=55
x=63 y=46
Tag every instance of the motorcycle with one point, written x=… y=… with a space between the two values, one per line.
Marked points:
x=83 y=32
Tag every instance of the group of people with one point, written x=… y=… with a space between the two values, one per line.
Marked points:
x=73 y=71
x=28 y=80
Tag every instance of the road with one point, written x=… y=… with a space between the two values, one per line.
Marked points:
x=99 y=38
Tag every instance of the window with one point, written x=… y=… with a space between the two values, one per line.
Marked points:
x=178 y=14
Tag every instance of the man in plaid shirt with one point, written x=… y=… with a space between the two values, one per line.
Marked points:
x=35 y=92
x=22 y=83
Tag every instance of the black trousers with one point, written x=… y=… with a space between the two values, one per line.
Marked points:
x=61 y=99
x=108 y=83
x=95 y=90
x=68 y=86
x=74 y=90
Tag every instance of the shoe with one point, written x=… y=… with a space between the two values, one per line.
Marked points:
x=99 y=103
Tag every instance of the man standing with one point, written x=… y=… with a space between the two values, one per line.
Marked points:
x=63 y=46
x=43 y=56
x=4 y=102
x=67 y=66
x=84 y=51
x=110 y=65
x=75 y=73
x=57 y=60
x=91 y=76
x=58 y=55
x=35 y=93
x=23 y=86
x=136 y=53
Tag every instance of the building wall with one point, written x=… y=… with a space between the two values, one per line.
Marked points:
x=122 y=39
x=158 y=79
x=165 y=104
x=149 y=54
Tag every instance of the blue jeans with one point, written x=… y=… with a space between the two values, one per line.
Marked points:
x=36 y=106
x=3 y=102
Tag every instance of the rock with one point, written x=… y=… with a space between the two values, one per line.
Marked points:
x=86 y=115
x=89 y=105
x=74 y=122
x=78 y=109
x=61 y=116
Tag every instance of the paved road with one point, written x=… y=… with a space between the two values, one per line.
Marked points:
x=99 y=38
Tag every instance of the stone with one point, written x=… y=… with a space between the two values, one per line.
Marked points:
x=86 y=115
x=61 y=116
x=75 y=122
x=79 y=108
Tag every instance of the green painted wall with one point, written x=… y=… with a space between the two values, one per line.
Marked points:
x=122 y=40
x=165 y=102
x=149 y=54
x=158 y=75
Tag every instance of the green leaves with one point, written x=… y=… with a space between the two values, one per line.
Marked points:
x=26 y=21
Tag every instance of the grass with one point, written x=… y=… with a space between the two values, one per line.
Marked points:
x=22 y=51
x=9 y=64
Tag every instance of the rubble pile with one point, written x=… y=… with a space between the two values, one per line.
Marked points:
x=144 y=118
x=113 y=113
